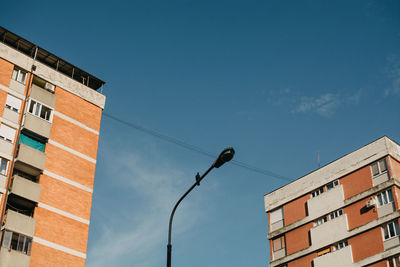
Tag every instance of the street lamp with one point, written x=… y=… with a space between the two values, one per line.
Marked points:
x=225 y=156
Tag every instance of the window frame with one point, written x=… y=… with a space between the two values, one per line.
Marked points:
x=282 y=243
x=340 y=245
x=335 y=214
x=384 y=197
x=11 y=107
x=334 y=183
x=317 y=192
x=387 y=231
x=18 y=72
x=7 y=237
x=378 y=166
x=9 y=128
x=1 y=163
x=41 y=105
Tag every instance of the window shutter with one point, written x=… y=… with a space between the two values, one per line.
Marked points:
x=7 y=132
x=276 y=215
x=13 y=102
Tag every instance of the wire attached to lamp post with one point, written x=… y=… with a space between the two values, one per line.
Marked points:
x=225 y=156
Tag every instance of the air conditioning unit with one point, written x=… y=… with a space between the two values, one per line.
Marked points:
x=49 y=87
x=370 y=203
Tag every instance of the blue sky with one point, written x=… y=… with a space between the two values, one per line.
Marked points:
x=277 y=80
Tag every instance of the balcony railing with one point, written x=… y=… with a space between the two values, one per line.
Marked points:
x=37 y=125
x=9 y=258
x=20 y=223
x=26 y=189
x=30 y=160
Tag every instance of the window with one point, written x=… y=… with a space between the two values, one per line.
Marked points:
x=7 y=133
x=276 y=216
x=331 y=185
x=385 y=197
x=317 y=192
x=320 y=221
x=13 y=103
x=394 y=262
x=17 y=242
x=278 y=243
x=336 y=214
x=19 y=75
x=340 y=245
x=378 y=167
x=391 y=230
x=40 y=110
x=3 y=166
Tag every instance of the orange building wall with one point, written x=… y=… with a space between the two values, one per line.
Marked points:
x=69 y=165
x=395 y=168
x=305 y=261
x=357 y=182
x=42 y=256
x=295 y=210
x=6 y=69
x=298 y=238
x=360 y=250
x=65 y=197
x=74 y=137
x=78 y=108
x=61 y=230
x=357 y=214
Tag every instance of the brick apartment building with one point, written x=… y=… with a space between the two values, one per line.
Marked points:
x=343 y=214
x=50 y=114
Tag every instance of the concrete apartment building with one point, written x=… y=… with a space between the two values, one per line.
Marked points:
x=50 y=114
x=343 y=214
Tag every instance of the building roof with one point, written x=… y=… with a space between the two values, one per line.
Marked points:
x=49 y=59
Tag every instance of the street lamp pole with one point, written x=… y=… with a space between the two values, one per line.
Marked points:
x=225 y=156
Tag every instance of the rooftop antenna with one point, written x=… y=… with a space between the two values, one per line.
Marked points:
x=319 y=161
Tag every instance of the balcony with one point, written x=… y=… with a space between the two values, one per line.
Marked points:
x=26 y=189
x=6 y=147
x=12 y=258
x=327 y=201
x=20 y=223
x=37 y=125
x=380 y=178
x=386 y=209
x=17 y=87
x=392 y=242
x=30 y=160
x=329 y=232
x=279 y=254
x=341 y=257
x=10 y=115
x=43 y=96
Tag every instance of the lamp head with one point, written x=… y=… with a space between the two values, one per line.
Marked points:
x=225 y=156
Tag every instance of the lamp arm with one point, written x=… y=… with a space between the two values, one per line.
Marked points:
x=169 y=246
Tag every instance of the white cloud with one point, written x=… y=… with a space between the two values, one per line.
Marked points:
x=393 y=73
x=135 y=232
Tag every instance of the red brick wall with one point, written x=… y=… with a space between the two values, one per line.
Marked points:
x=303 y=261
x=6 y=69
x=357 y=182
x=373 y=239
x=357 y=214
x=42 y=256
x=295 y=210
x=298 y=238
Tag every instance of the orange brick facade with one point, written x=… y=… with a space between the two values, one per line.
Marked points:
x=367 y=211
x=60 y=215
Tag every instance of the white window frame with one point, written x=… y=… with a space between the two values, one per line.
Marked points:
x=321 y=220
x=40 y=109
x=13 y=103
x=333 y=183
x=17 y=73
x=335 y=214
x=390 y=230
x=394 y=261
x=317 y=192
x=385 y=197
x=378 y=166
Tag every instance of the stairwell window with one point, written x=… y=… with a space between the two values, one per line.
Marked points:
x=19 y=75
x=336 y=214
x=391 y=230
x=385 y=197
x=317 y=192
x=40 y=110
x=378 y=167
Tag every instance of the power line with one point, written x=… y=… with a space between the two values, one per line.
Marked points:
x=194 y=148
